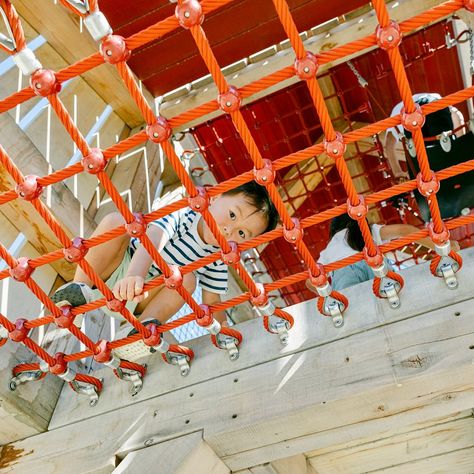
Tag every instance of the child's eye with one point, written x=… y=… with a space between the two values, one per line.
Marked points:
x=232 y=215
x=241 y=234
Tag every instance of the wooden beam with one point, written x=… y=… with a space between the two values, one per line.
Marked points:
x=384 y=369
x=338 y=36
x=61 y=28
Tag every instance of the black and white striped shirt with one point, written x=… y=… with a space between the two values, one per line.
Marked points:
x=186 y=246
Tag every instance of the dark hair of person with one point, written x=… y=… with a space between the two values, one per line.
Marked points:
x=353 y=237
x=436 y=122
x=258 y=196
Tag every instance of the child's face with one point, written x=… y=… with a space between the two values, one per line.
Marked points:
x=237 y=219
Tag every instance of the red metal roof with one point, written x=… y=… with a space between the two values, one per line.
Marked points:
x=235 y=31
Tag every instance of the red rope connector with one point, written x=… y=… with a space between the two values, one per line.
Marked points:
x=359 y=211
x=103 y=352
x=94 y=162
x=76 y=251
x=231 y=258
x=114 y=49
x=265 y=175
x=294 y=235
x=320 y=280
x=22 y=270
x=44 y=82
x=30 y=188
x=335 y=148
x=307 y=67
x=469 y=5
x=154 y=339
x=200 y=202
x=439 y=238
x=373 y=261
x=60 y=365
x=390 y=36
x=20 y=333
x=229 y=101
x=261 y=298
x=66 y=319
x=427 y=188
x=189 y=13
x=116 y=305
x=207 y=321
x=413 y=121
x=159 y=131
x=175 y=280
x=136 y=228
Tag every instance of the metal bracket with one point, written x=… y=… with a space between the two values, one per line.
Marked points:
x=334 y=308
x=89 y=390
x=280 y=327
x=410 y=144
x=131 y=376
x=181 y=360
x=228 y=343
x=447 y=269
x=23 y=377
x=389 y=289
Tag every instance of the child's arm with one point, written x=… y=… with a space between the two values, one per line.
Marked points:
x=393 y=231
x=131 y=287
x=210 y=298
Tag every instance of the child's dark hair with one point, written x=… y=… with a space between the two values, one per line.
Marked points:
x=354 y=235
x=258 y=196
x=436 y=122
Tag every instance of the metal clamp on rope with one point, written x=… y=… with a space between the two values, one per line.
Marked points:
x=181 y=360
x=265 y=310
x=130 y=375
x=97 y=25
x=390 y=289
x=26 y=61
x=23 y=377
x=207 y=321
x=447 y=269
x=228 y=343
x=87 y=389
x=334 y=308
x=279 y=326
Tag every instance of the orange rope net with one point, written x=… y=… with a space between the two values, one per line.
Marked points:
x=116 y=50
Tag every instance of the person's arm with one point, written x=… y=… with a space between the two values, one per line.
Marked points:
x=131 y=286
x=395 y=153
x=393 y=231
x=458 y=120
x=210 y=299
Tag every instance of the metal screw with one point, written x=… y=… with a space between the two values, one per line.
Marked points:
x=90 y=166
x=108 y=52
x=149 y=442
x=390 y=38
x=187 y=14
x=306 y=69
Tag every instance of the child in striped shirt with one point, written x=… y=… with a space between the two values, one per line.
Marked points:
x=181 y=238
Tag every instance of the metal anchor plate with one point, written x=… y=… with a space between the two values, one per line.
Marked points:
x=389 y=289
x=24 y=377
x=334 y=308
x=181 y=360
x=280 y=327
x=228 y=343
x=131 y=376
x=447 y=269
x=88 y=390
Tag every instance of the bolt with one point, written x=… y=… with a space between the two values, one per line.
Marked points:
x=198 y=206
x=335 y=151
x=149 y=442
x=90 y=166
x=38 y=85
x=306 y=69
x=414 y=123
x=264 y=178
x=228 y=103
x=155 y=134
x=390 y=38
x=187 y=14
x=108 y=52
x=22 y=194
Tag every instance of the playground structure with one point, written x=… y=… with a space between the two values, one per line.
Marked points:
x=290 y=418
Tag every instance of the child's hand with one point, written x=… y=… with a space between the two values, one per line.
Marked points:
x=130 y=289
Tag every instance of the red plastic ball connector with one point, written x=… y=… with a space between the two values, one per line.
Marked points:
x=65 y=319
x=29 y=189
x=294 y=235
x=427 y=188
x=307 y=67
x=114 y=49
x=359 y=211
x=44 y=82
x=103 y=352
x=205 y=319
x=20 y=333
x=469 y=5
x=373 y=261
x=175 y=280
x=413 y=121
x=136 y=228
x=154 y=338
x=94 y=162
x=320 y=280
x=76 y=251
x=229 y=101
x=335 y=148
x=200 y=202
x=60 y=365
x=265 y=175
x=116 y=305
x=159 y=131
x=439 y=238
x=390 y=36
x=189 y=13
x=22 y=270
x=231 y=258
x=261 y=299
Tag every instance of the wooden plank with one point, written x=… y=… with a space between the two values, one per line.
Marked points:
x=293 y=464
x=340 y=35
x=187 y=454
x=61 y=28
x=373 y=381
x=402 y=449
